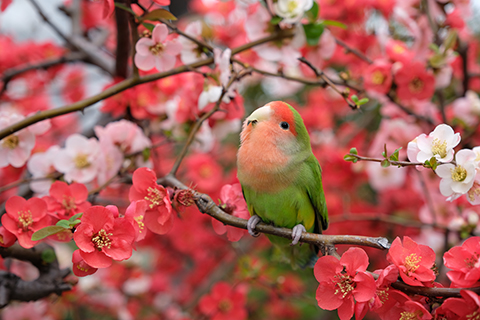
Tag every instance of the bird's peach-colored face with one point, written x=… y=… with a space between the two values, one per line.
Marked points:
x=273 y=122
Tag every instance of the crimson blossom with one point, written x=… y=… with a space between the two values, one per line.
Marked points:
x=224 y=303
x=343 y=281
x=103 y=237
x=158 y=216
x=414 y=82
x=414 y=261
x=24 y=217
x=464 y=262
x=66 y=200
x=466 y=307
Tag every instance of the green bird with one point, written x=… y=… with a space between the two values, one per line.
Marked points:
x=281 y=178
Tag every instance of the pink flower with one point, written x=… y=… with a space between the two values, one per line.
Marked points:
x=204 y=171
x=190 y=50
x=378 y=76
x=232 y=202
x=15 y=149
x=157 y=52
x=66 y=200
x=78 y=160
x=224 y=302
x=158 y=216
x=414 y=261
x=24 y=217
x=466 y=307
x=40 y=165
x=7 y=238
x=102 y=237
x=343 y=281
x=80 y=267
x=465 y=264
x=135 y=213
x=414 y=82
x=126 y=135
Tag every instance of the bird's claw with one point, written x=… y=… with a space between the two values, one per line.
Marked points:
x=251 y=224
x=297 y=233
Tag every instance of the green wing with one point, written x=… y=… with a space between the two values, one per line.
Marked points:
x=313 y=183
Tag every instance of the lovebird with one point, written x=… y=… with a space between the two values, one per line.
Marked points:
x=281 y=179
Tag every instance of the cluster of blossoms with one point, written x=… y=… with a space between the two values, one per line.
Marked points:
x=459 y=172
x=345 y=285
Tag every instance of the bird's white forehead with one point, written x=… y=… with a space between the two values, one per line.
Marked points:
x=262 y=113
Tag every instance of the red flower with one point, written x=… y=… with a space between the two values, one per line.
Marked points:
x=7 y=238
x=414 y=261
x=66 y=200
x=405 y=308
x=378 y=76
x=233 y=203
x=158 y=217
x=465 y=264
x=80 y=267
x=102 y=238
x=135 y=213
x=24 y=217
x=342 y=281
x=467 y=307
x=414 y=82
x=224 y=303
x=204 y=171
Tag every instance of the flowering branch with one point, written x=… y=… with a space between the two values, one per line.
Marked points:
x=126 y=84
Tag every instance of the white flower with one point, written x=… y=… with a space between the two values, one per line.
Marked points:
x=40 y=165
x=457 y=179
x=191 y=52
x=210 y=95
x=292 y=10
x=79 y=159
x=439 y=144
x=467 y=108
x=16 y=148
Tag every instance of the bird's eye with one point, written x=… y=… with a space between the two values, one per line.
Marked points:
x=284 y=125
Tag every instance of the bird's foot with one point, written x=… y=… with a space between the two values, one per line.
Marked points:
x=297 y=233
x=252 y=223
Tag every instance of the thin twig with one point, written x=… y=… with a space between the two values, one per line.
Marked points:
x=354 y=51
x=199 y=123
x=200 y=43
x=392 y=162
x=126 y=84
x=328 y=81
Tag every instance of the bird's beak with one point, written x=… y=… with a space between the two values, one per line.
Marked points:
x=260 y=114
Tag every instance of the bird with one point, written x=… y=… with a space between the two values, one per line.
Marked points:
x=281 y=179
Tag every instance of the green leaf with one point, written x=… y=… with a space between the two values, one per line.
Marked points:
x=149 y=26
x=46 y=232
x=432 y=163
x=362 y=101
x=312 y=14
x=450 y=40
x=124 y=7
x=75 y=217
x=63 y=223
x=48 y=256
x=158 y=14
x=385 y=163
x=146 y=154
x=334 y=24
x=313 y=31
x=354 y=98
x=394 y=156
x=434 y=47
x=353 y=151
x=350 y=158
x=275 y=20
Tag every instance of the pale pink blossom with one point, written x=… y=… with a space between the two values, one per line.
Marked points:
x=79 y=159
x=287 y=53
x=191 y=52
x=16 y=148
x=126 y=135
x=40 y=165
x=291 y=10
x=381 y=178
x=467 y=108
x=457 y=179
x=210 y=94
x=110 y=160
x=222 y=62
x=439 y=144
x=157 y=52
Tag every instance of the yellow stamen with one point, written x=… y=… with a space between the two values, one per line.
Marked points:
x=157 y=48
x=459 y=173
x=412 y=263
x=439 y=147
x=81 y=161
x=11 y=142
x=345 y=285
x=416 y=85
x=101 y=239
x=155 y=197
x=474 y=316
x=68 y=203
x=378 y=78
x=405 y=315
x=25 y=219
x=140 y=223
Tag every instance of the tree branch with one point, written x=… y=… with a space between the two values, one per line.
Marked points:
x=126 y=84
x=50 y=280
